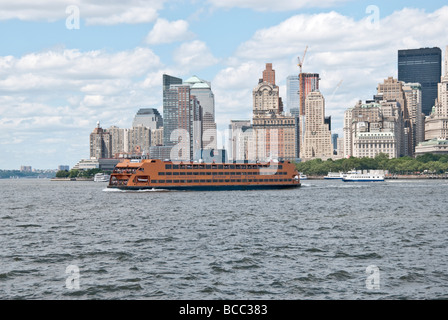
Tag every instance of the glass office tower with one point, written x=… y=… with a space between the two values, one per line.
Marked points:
x=423 y=66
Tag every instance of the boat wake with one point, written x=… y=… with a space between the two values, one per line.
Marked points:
x=136 y=191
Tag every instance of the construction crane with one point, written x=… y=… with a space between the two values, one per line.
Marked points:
x=300 y=64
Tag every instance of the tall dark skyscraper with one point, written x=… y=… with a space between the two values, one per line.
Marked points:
x=425 y=67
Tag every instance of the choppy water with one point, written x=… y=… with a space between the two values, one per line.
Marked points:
x=314 y=242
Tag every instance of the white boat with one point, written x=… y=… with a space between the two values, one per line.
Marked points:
x=303 y=176
x=363 y=177
x=101 y=177
x=334 y=176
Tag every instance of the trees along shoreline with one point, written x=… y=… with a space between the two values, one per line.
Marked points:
x=427 y=163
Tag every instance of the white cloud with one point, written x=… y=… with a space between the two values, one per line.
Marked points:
x=194 y=55
x=165 y=31
x=112 y=12
x=62 y=94
x=279 y=5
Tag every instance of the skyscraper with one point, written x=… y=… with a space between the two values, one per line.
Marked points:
x=149 y=118
x=317 y=136
x=423 y=66
x=269 y=74
x=182 y=119
x=436 y=124
x=275 y=135
x=292 y=93
x=310 y=82
x=202 y=90
x=100 y=143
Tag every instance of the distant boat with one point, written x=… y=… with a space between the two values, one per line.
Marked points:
x=363 y=177
x=101 y=177
x=303 y=176
x=334 y=176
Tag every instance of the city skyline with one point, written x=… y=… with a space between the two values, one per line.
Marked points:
x=58 y=81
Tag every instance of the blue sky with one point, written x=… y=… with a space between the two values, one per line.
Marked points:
x=56 y=83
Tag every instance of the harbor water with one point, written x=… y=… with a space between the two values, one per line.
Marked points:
x=325 y=240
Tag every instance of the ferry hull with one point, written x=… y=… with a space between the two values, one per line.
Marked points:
x=207 y=188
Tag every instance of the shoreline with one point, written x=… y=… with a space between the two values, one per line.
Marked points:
x=72 y=179
x=398 y=177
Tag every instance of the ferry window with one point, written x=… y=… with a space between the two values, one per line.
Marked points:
x=189 y=181
x=243 y=167
x=209 y=181
x=238 y=173
x=201 y=180
x=189 y=166
x=175 y=173
x=208 y=167
x=196 y=173
x=182 y=173
x=168 y=173
x=232 y=166
x=182 y=166
x=238 y=180
x=161 y=181
x=189 y=173
x=250 y=180
x=196 y=181
x=271 y=180
x=169 y=181
x=276 y=180
x=201 y=166
x=202 y=173
x=182 y=181
x=215 y=173
x=209 y=173
x=226 y=167
x=167 y=166
x=220 y=173
x=280 y=166
x=175 y=166
x=227 y=180
x=232 y=173
x=220 y=166
x=161 y=173
x=154 y=181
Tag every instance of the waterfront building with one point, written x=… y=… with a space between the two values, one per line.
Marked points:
x=120 y=140
x=139 y=139
x=148 y=117
x=413 y=94
x=334 y=141
x=100 y=143
x=202 y=90
x=436 y=124
x=182 y=116
x=26 y=168
x=241 y=143
x=160 y=152
x=422 y=66
x=372 y=128
x=63 y=168
x=157 y=137
x=392 y=90
x=316 y=141
x=93 y=163
x=275 y=135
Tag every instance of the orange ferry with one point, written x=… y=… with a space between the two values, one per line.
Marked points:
x=174 y=175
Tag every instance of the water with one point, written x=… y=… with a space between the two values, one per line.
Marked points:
x=314 y=242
